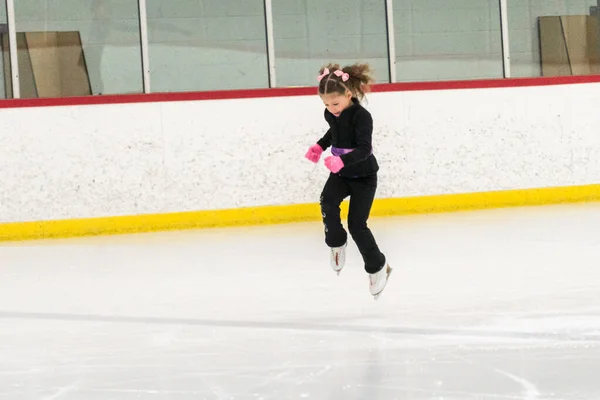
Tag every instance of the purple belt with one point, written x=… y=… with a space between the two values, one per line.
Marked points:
x=338 y=151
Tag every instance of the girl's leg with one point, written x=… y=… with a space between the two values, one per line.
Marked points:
x=362 y=194
x=334 y=192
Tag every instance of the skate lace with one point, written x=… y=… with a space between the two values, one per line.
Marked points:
x=335 y=253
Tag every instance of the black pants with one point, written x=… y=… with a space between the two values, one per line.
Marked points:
x=362 y=193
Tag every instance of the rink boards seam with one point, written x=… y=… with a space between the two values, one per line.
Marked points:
x=262 y=215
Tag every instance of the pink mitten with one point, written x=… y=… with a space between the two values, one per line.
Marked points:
x=334 y=164
x=314 y=153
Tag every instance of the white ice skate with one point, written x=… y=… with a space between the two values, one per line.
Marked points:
x=338 y=258
x=378 y=281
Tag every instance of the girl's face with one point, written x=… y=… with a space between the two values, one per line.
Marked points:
x=336 y=103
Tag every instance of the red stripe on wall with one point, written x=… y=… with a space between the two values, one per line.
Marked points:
x=293 y=91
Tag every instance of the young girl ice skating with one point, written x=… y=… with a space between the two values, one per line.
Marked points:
x=353 y=169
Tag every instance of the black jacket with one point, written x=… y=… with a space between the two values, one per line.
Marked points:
x=353 y=129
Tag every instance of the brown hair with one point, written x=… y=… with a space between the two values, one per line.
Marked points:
x=358 y=82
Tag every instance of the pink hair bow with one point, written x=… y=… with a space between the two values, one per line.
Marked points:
x=343 y=74
x=325 y=72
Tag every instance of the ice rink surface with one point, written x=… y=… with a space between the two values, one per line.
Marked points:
x=500 y=304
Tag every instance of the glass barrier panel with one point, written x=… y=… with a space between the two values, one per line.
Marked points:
x=554 y=38
x=207 y=45
x=78 y=47
x=439 y=40
x=312 y=33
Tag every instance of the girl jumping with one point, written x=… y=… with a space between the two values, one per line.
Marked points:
x=353 y=169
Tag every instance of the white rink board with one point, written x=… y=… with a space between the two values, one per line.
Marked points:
x=109 y=160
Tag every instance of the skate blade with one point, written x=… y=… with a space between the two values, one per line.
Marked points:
x=376 y=296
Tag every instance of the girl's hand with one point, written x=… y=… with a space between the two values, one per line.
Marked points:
x=334 y=164
x=314 y=153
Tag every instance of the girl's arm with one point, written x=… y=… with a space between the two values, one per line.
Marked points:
x=364 y=134
x=325 y=141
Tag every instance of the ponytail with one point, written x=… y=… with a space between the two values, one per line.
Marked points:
x=356 y=78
